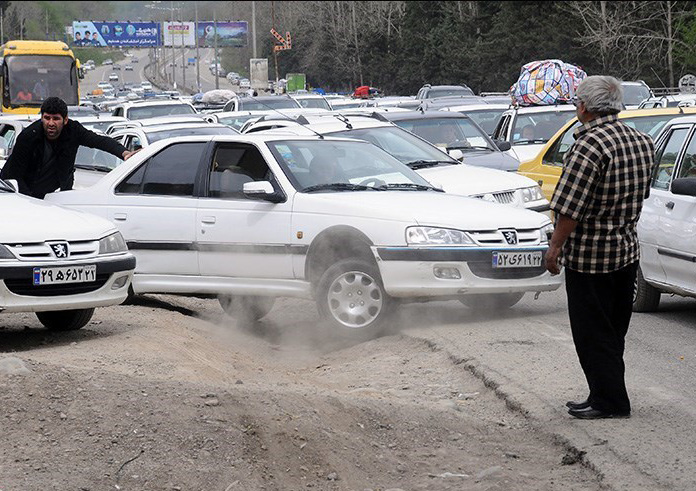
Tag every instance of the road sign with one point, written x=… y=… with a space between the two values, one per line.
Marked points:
x=285 y=43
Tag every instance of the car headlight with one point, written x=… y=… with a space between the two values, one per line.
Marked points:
x=437 y=236
x=5 y=253
x=545 y=233
x=532 y=194
x=112 y=243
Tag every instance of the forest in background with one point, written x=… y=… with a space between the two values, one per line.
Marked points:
x=398 y=46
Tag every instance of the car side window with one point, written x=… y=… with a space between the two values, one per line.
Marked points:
x=502 y=128
x=133 y=143
x=7 y=134
x=687 y=167
x=555 y=154
x=666 y=158
x=171 y=172
x=234 y=165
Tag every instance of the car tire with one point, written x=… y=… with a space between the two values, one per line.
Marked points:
x=246 y=307
x=494 y=301
x=352 y=300
x=646 y=298
x=65 y=320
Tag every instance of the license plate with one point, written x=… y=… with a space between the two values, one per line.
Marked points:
x=531 y=259
x=71 y=274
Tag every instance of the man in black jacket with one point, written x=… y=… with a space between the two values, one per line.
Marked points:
x=43 y=158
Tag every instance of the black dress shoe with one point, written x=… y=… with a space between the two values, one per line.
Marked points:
x=578 y=405
x=592 y=413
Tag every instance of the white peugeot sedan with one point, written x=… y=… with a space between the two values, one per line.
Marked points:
x=253 y=217
x=59 y=263
x=667 y=225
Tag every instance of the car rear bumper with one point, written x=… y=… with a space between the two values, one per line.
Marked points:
x=18 y=294
x=418 y=272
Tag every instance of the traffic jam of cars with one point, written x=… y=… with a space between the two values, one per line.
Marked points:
x=357 y=202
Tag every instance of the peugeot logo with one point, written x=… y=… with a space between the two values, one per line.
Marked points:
x=510 y=236
x=60 y=250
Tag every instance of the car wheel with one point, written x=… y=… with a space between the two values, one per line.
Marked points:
x=350 y=296
x=65 y=320
x=492 y=301
x=646 y=298
x=246 y=307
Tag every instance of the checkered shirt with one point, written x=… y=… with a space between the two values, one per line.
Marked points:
x=606 y=174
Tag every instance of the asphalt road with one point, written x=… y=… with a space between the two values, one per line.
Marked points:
x=527 y=354
x=102 y=72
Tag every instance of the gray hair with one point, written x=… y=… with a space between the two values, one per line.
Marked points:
x=601 y=94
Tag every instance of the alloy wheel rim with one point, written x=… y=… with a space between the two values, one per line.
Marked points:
x=355 y=299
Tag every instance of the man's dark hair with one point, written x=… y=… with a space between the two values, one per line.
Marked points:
x=55 y=105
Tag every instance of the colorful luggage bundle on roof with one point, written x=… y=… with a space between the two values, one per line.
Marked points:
x=546 y=82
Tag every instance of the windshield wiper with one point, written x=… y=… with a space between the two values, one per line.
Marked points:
x=339 y=186
x=422 y=164
x=409 y=186
x=6 y=187
x=530 y=142
x=475 y=147
x=100 y=168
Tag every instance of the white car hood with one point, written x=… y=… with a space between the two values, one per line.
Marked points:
x=27 y=219
x=467 y=180
x=523 y=153
x=419 y=208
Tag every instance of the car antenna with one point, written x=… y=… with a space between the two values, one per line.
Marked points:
x=288 y=118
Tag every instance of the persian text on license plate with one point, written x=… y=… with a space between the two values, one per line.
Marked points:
x=71 y=274
x=530 y=259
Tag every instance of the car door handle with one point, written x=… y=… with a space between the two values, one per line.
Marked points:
x=209 y=220
x=120 y=216
x=670 y=205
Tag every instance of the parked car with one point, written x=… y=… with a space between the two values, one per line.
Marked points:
x=458 y=135
x=59 y=263
x=261 y=103
x=253 y=217
x=674 y=100
x=486 y=116
x=427 y=160
x=529 y=128
x=311 y=101
x=159 y=121
x=152 y=109
x=431 y=91
x=546 y=167
x=635 y=92
x=144 y=136
x=666 y=226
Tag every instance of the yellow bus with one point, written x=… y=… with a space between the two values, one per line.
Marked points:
x=32 y=71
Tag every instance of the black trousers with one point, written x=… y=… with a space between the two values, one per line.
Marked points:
x=600 y=307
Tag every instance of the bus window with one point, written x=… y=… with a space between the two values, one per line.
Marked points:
x=32 y=79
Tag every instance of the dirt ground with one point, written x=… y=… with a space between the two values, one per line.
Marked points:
x=170 y=394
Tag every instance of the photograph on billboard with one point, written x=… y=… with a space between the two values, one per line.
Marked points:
x=232 y=34
x=89 y=33
x=179 y=33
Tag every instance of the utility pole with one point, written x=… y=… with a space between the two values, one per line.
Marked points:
x=171 y=31
x=2 y=26
x=217 y=62
x=198 y=58
x=46 y=10
x=275 y=53
x=253 y=26
x=183 y=49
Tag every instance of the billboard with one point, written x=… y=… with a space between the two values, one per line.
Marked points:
x=228 y=34
x=88 y=33
x=258 y=69
x=179 y=33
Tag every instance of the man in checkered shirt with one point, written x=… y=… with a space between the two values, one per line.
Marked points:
x=597 y=201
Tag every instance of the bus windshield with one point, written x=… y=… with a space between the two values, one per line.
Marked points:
x=33 y=78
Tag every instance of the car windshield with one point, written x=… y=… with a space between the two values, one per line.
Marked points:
x=635 y=94
x=444 y=132
x=334 y=166
x=236 y=122
x=433 y=93
x=252 y=104
x=154 y=136
x=487 y=119
x=98 y=125
x=538 y=127
x=650 y=125
x=336 y=105
x=314 y=103
x=135 y=113
x=399 y=143
x=95 y=159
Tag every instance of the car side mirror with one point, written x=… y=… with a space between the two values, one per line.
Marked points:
x=262 y=190
x=684 y=186
x=455 y=154
x=503 y=145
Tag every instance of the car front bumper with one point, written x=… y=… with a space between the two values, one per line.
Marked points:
x=417 y=272
x=18 y=294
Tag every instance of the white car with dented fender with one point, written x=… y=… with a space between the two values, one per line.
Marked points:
x=59 y=263
x=252 y=217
